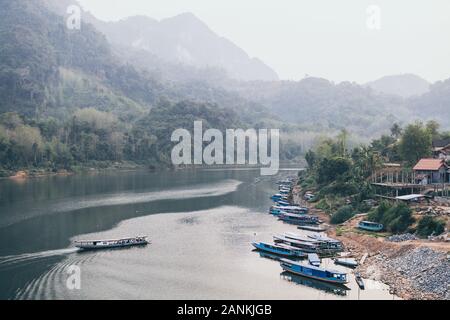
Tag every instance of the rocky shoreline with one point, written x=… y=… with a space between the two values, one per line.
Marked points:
x=414 y=269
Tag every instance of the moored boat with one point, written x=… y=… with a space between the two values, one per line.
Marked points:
x=277 y=210
x=280 y=249
x=298 y=218
x=283 y=203
x=277 y=197
x=334 y=288
x=312 y=228
x=370 y=226
x=109 y=244
x=329 y=243
x=359 y=281
x=346 y=262
x=313 y=272
x=305 y=246
x=314 y=259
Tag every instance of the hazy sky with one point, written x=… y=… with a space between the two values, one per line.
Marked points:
x=323 y=38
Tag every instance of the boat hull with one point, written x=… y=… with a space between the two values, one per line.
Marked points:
x=102 y=247
x=293 y=271
x=280 y=253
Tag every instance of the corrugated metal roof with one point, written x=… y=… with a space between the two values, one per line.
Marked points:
x=429 y=164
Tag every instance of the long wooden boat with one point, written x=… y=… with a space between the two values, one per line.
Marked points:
x=346 y=262
x=283 y=203
x=108 y=244
x=359 y=281
x=299 y=218
x=305 y=246
x=329 y=243
x=277 y=210
x=313 y=272
x=280 y=249
x=370 y=226
x=312 y=228
x=325 y=244
x=334 y=288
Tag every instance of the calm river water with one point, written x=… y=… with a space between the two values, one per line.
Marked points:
x=201 y=224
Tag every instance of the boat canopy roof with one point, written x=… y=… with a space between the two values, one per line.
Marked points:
x=299 y=237
x=280 y=245
x=289 y=208
x=111 y=240
x=304 y=243
x=321 y=237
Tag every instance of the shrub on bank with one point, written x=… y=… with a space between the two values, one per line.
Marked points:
x=342 y=215
x=395 y=218
x=428 y=226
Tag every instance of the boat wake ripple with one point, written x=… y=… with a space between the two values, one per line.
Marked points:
x=220 y=188
x=49 y=285
x=26 y=258
x=200 y=191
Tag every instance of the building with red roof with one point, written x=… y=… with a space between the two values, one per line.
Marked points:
x=432 y=171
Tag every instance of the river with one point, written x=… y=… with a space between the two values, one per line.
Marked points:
x=201 y=224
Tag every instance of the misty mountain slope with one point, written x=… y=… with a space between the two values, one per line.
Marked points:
x=433 y=105
x=47 y=69
x=186 y=40
x=36 y=45
x=405 y=85
x=318 y=104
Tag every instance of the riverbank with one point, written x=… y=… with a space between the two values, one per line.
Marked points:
x=29 y=173
x=413 y=269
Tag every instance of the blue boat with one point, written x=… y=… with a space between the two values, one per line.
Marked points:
x=280 y=249
x=277 y=210
x=283 y=203
x=313 y=272
x=314 y=259
x=370 y=226
x=337 y=289
x=298 y=218
x=276 y=197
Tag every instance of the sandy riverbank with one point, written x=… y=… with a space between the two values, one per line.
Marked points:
x=415 y=269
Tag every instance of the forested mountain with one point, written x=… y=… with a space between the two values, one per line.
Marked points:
x=183 y=41
x=70 y=97
x=404 y=85
x=67 y=99
x=186 y=40
x=318 y=104
x=435 y=104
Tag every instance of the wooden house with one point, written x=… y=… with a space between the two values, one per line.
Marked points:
x=432 y=171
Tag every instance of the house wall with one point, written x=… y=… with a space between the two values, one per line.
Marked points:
x=435 y=176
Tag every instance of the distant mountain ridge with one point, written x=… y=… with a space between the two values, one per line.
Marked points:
x=404 y=85
x=186 y=40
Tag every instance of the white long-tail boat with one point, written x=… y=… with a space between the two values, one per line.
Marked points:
x=108 y=244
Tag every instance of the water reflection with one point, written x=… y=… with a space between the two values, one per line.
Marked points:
x=336 y=289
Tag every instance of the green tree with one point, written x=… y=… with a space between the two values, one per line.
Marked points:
x=330 y=169
x=396 y=130
x=428 y=226
x=433 y=128
x=342 y=215
x=415 y=143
